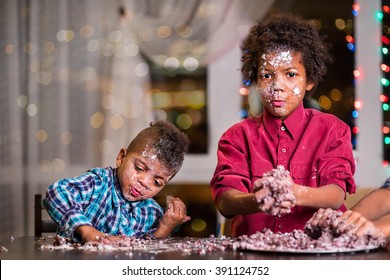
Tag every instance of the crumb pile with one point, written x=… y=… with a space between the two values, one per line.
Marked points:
x=131 y=244
x=312 y=238
x=298 y=240
x=295 y=241
x=277 y=184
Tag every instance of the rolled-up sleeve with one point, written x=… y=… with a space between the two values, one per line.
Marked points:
x=232 y=171
x=337 y=165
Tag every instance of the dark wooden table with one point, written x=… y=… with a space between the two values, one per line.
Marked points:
x=28 y=248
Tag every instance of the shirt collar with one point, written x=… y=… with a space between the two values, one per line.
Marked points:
x=292 y=123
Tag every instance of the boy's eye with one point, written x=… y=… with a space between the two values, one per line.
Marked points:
x=291 y=74
x=265 y=76
x=158 y=183
x=138 y=168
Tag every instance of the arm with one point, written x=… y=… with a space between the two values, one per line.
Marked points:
x=374 y=205
x=65 y=201
x=334 y=167
x=173 y=217
x=234 y=202
x=329 y=196
x=232 y=181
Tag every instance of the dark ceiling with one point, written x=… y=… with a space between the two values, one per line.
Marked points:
x=316 y=8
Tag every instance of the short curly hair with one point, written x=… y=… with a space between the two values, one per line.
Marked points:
x=170 y=144
x=285 y=32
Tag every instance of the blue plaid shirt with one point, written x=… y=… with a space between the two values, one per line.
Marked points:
x=95 y=199
x=386 y=184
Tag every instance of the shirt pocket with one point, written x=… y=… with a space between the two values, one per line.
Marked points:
x=304 y=174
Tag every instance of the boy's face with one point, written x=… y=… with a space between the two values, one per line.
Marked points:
x=282 y=82
x=140 y=174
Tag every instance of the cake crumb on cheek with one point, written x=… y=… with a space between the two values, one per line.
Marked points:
x=297 y=90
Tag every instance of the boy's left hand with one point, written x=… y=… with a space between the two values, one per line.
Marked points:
x=175 y=215
x=362 y=226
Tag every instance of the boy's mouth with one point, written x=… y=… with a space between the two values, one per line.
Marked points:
x=277 y=103
x=134 y=192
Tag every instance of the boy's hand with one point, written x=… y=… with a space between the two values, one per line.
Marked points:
x=89 y=233
x=321 y=218
x=175 y=215
x=349 y=221
x=273 y=200
x=363 y=226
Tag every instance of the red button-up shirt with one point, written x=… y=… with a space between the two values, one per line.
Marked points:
x=315 y=147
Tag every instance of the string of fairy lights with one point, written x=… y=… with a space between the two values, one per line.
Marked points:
x=384 y=17
x=351 y=46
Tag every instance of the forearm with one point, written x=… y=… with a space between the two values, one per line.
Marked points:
x=234 y=202
x=374 y=205
x=162 y=231
x=329 y=196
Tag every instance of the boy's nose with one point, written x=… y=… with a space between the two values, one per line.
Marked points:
x=277 y=86
x=278 y=80
x=144 y=180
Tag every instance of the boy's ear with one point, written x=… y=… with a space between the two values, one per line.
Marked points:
x=309 y=86
x=121 y=156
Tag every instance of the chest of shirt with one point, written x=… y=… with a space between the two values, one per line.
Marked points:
x=300 y=154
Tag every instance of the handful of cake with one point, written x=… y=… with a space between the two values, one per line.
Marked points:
x=277 y=184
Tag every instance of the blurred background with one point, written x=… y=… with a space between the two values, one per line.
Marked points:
x=80 y=78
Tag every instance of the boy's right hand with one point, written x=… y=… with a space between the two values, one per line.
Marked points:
x=89 y=233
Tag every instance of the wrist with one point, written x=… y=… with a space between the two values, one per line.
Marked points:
x=299 y=193
x=383 y=228
x=162 y=231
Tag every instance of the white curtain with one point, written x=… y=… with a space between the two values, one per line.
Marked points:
x=74 y=81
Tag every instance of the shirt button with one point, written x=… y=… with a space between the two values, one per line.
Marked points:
x=283 y=150
x=280 y=226
x=282 y=128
